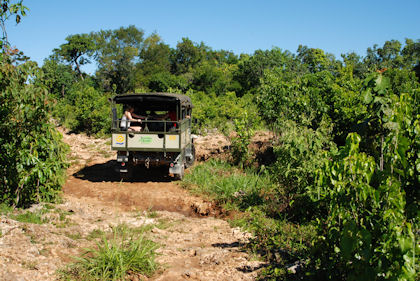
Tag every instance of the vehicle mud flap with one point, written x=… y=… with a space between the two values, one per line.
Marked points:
x=177 y=170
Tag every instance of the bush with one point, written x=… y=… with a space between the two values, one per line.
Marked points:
x=241 y=140
x=299 y=152
x=33 y=157
x=366 y=235
x=219 y=112
x=370 y=196
x=85 y=109
x=280 y=242
x=161 y=82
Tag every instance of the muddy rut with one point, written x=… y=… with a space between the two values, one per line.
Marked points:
x=194 y=244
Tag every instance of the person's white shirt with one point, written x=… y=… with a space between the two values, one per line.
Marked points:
x=124 y=124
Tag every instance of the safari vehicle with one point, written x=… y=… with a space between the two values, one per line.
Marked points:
x=159 y=142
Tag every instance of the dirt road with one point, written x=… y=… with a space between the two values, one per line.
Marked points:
x=194 y=244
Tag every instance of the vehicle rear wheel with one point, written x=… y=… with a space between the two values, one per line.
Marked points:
x=190 y=160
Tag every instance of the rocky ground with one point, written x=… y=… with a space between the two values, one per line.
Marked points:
x=194 y=243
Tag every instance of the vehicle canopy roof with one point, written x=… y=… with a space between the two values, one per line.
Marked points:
x=154 y=100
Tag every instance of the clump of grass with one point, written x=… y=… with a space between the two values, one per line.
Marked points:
x=5 y=209
x=30 y=217
x=151 y=214
x=127 y=250
x=73 y=236
x=227 y=185
x=96 y=233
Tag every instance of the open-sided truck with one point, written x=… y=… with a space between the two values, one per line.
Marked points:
x=159 y=142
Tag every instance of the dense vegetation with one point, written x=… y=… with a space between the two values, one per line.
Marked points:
x=32 y=154
x=342 y=197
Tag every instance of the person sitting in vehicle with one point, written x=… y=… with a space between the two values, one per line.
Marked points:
x=128 y=117
x=170 y=115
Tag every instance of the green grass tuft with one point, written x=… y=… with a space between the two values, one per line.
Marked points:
x=30 y=217
x=127 y=251
x=227 y=185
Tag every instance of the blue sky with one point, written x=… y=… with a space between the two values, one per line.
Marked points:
x=241 y=26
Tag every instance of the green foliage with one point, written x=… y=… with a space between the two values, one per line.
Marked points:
x=211 y=111
x=372 y=202
x=77 y=50
x=212 y=77
x=186 y=56
x=251 y=68
x=5 y=209
x=241 y=140
x=280 y=242
x=117 y=52
x=304 y=100
x=84 y=109
x=366 y=234
x=163 y=81
x=299 y=153
x=227 y=185
x=30 y=217
x=58 y=77
x=33 y=156
x=368 y=206
x=127 y=251
x=7 y=10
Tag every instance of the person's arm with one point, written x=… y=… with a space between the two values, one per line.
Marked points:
x=138 y=116
x=130 y=117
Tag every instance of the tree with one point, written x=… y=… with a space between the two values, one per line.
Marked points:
x=392 y=56
x=354 y=61
x=251 y=68
x=77 y=50
x=186 y=56
x=154 y=59
x=411 y=56
x=117 y=54
x=58 y=77
x=315 y=59
x=7 y=10
x=32 y=158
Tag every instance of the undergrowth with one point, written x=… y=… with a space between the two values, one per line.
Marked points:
x=227 y=185
x=280 y=241
x=125 y=251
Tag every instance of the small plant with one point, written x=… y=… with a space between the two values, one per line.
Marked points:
x=73 y=236
x=5 y=209
x=227 y=184
x=30 y=217
x=96 y=233
x=127 y=251
x=241 y=141
x=152 y=213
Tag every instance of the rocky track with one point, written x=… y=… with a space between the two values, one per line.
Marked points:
x=194 y=244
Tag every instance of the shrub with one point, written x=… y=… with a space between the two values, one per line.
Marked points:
x=32 y=155
x=211 y=111
x=85 y=109
x=241 y=140
x=366 y=235
x=299 y=151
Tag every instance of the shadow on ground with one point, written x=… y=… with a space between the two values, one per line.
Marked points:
x=105 y=172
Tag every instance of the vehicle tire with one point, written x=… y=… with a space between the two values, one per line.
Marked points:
x=190 y=162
